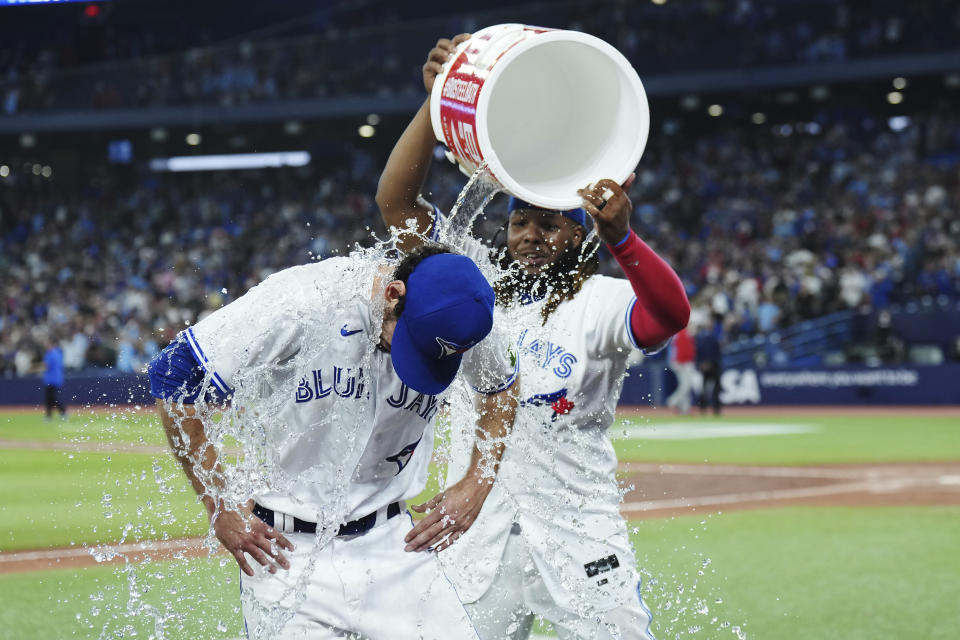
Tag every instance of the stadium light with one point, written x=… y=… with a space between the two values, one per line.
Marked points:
x=899 y=83
x=4 y=171
x=715 y=110
x=366 y=131
x=894 y=97
x=898 y=123
x=690 y=102
x=758 y=118
x=373 y=119
x=820 y=92
x=193 y=139
x=228 y=161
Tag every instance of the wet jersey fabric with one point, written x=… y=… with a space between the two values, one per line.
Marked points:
x=342 y=434
x=557 y=479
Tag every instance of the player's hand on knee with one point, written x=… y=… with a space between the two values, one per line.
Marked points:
x=437 y=57
x=240 y=532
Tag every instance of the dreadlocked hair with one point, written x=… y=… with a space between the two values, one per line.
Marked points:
x=561 y=280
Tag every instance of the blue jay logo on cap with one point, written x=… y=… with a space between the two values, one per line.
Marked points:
x=448 y=348
x=447 y=296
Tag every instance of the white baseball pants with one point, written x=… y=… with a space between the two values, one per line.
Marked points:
x=361 y=587
x=518 y=593
x=682 y=398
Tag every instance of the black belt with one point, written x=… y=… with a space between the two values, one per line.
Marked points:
x=352 y=528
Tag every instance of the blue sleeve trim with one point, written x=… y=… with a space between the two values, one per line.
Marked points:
x=633 y=338
x=506 y=385
x=654 y=350
x=647 y=351
x=218 y=382
x=625 y=238
x=174 y=373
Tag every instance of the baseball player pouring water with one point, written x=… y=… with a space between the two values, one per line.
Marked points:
x=549 y=540
x=340 y=367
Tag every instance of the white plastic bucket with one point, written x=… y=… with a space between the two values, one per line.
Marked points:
x=550 y=111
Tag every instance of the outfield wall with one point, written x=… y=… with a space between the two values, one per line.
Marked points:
x=79 y=389
x=649 y=383
x=850 y=385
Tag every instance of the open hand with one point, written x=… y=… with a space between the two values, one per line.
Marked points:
x=438 y=56
x=451 y=512
x=609 y=205
x=240 y=531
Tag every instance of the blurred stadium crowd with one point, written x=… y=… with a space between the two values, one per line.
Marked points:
x=175 y=62
x=766 y=225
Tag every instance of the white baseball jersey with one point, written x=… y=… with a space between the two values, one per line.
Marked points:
x=557 y=478
x=331 y=414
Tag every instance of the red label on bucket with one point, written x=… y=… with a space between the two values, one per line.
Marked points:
x=458 y=110
x=454 y=102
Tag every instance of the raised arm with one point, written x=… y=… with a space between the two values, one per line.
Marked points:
x=454 y=510
x=401 y=183
x=663 y=308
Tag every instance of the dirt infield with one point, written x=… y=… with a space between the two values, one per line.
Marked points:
x=658 y=490
x=661 y=490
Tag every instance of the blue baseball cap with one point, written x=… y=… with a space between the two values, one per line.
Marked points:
x=448 y=308
x=578 y=215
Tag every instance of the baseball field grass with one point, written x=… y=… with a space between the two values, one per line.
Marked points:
x=782 y=572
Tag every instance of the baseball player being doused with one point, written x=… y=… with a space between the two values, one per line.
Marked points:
x=335 y=371
x=550 y=540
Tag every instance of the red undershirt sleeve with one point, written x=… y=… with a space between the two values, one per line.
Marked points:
x=662 y=307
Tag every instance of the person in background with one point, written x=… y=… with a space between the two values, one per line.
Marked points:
x=53 y=377
x=682 y=362
x=709 y=360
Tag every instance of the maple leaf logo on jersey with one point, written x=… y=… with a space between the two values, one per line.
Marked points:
x=403 y=458
x=557 y=400
x=448 y=348
x=561 y=407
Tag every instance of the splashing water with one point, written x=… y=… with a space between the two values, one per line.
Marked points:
x=251 y=434
x=473 y=199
